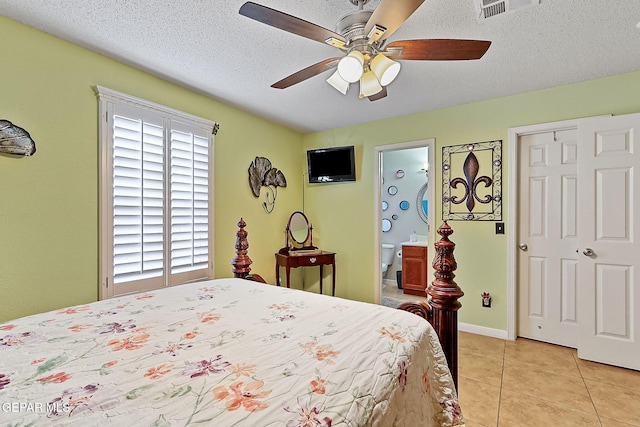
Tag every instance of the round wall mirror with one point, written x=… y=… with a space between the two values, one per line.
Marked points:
x=385 y=206
x=386 y=225
x=392 y=190
x=298 y=227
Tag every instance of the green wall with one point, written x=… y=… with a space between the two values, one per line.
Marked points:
x=49 y=202
x=343 y=214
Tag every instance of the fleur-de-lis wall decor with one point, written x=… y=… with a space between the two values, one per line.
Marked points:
x=472 y=175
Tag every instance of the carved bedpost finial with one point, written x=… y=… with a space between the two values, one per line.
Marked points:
x=444 y=262
x=241 y=261
x=444 y=293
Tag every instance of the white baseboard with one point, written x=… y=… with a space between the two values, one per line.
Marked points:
x=482 y=330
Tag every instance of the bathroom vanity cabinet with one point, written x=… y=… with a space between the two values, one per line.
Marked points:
x=414 y=268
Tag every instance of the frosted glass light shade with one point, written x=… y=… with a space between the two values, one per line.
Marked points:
x=338 y=82
x=369 y=84
x=385 y=69
x=351 y=66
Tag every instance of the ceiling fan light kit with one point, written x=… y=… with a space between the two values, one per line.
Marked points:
x=338 y=82
x=351 y=66
x=369 y=84
x=386 y=69
x=363 y=35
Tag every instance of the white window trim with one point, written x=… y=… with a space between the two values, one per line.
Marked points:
x=106 y=98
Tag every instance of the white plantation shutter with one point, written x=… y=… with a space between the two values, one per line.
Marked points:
x=189 y=201
x=156 y=196
x=138 y=199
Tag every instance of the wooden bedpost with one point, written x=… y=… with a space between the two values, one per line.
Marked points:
x=442 y=305
x=241 y=261
x=444 y=293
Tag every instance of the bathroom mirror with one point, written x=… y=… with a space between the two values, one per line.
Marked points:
x=386 y=225
x=392 y=190
x=422 y=203
x=385 y=206
x=298 y=228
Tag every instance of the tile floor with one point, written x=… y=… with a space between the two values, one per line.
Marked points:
x=526 y=383
x=396 y=296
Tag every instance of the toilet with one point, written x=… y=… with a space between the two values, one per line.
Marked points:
x=388 y=252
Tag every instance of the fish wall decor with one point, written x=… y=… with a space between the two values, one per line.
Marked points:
x=15 y=140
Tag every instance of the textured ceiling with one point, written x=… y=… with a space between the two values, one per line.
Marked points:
x=209 y=47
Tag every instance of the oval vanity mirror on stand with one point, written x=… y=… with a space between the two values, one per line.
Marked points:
x=298 y=233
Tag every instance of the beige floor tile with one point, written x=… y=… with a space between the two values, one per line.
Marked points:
x=517 y=409
x=487 y=346
x=394 y=292
x=479 y=402
x=480 y=368
x=546 y=356
x=542 y=385
x=468 y=423
x=547 y=385
x=616 y=403
x=621 y=377
x=607 y=422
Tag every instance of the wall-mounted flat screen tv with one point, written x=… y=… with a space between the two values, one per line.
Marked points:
x=335 y=164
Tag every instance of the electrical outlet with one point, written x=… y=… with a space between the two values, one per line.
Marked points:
x=486 y=300
x=499 y=227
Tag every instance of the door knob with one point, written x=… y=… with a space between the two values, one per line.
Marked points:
x=523 y=246
x=588 y=252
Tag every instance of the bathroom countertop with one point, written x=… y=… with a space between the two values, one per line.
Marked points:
x=417 y=243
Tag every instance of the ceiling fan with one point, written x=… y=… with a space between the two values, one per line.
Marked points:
x=363 y=35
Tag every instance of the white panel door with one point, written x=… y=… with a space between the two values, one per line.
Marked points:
x=547 y=238
x=608 y=239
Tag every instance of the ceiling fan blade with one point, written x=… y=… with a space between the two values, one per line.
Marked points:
x=391 y=14
x=306 y=73
x=438 y=49
x=289 y=23
x=378 y=95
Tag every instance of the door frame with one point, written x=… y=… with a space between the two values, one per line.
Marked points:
x=513 y=214
x=377 y=202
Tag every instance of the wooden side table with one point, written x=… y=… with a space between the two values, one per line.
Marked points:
x=295 y=260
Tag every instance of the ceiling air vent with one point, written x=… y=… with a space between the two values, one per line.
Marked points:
x=489 y=8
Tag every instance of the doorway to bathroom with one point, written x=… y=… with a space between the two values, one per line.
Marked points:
x=403 y=193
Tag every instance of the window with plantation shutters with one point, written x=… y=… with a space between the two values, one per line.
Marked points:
x=189 y=201
x=156 y=195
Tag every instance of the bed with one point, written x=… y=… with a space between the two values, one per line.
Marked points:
x=226 y=352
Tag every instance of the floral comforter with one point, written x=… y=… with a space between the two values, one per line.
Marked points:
x=226 y=352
